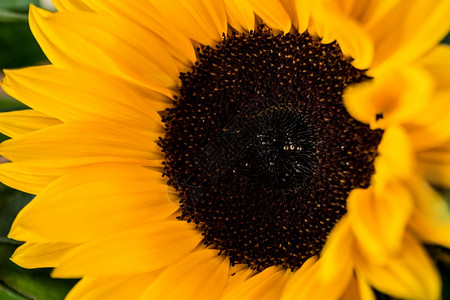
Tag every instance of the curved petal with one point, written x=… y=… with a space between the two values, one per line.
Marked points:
x=397 y=97
x=431 y=229
x=32 y=176
x=387 y=30
x=202 y=21
x=273 y=14
x=396 y=154
x=431 y=220
x=358 y=290
x=98 y=42
x=300 y=13
x=238 y=274
x=74 y=95
x=434 y=163
x=40 y=255
x=431 y=128
x=336 y=257
x=112 y=197
x=352 y=39
x=240 y=15
x=145 y=248
x=201 y=275
x=409 y=275
x=267 y=285
x=379 y=220
x=70 y=5
x=293 y=286
x=432 y=136
x=329 y=277
x=18 y=123
x=144 y=14
x=437 y=63
x=399 y=40
x=81 y=141
x=24 y=178
x=113 y=288
x=311 y=285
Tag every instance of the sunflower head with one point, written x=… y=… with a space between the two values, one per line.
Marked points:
x=259 y=130
x=213 y=149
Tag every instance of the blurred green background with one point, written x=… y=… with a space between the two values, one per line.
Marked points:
x=18 y=49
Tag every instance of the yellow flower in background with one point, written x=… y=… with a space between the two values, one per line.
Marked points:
x=300 y=143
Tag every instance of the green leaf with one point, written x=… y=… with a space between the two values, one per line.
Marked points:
x=14 y=280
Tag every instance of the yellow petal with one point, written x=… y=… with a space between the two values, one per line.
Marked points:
x=32 y=176
x=71 y=95
x=434 y=163
x=371 y=12
x=347 y=32
x=267 y=285
x=409 y=275
x=24 y=178
x=437 y=173
x=438 y=155
x=431 y=128
x=431 y=229
x=365 y=291
x=434 y=135
x=397 y=153
x=393 y=98
x=99 y=42
x=143 y=13
x=70 y=5
x=433 y=119
x=300 y=12
x=352 y=292
x=294 y=284
x=82 y=140
x=379 y=219
x=238 y=274
x=336 y=257
x=431 y=219
x=203 y=21
x=240 y=15
x=32 y=255
x=17 y=123
x=390 y=27
x=138 y=249
x=112 y=288
x=358 y=289
x=92 y=201
x=273 y=14
x=398 y=38
x=437 y=63
x=312 y=285
x=201 y=275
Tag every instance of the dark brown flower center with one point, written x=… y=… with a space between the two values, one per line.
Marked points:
x=261 y=148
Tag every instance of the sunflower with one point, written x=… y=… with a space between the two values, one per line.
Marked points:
x=234 y=149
